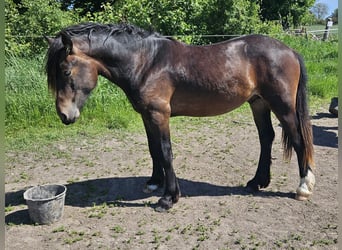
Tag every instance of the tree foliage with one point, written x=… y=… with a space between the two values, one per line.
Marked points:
x=288 y=12
x=24 y=29
x=334 y=16
x=28 y=20
x=234 y=17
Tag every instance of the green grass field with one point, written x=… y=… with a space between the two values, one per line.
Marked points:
x=31 y=117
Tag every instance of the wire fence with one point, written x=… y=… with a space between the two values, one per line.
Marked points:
x=308 y=34
x=316 y=33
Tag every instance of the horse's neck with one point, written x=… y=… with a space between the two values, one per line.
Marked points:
x=128 y=63
x=113 y=57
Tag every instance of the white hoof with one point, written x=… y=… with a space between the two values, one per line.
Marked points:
x=150 y=188
x=306 y=186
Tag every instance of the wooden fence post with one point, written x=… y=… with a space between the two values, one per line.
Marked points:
x=327 y=27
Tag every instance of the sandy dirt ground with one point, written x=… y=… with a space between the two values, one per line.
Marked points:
x=105 y=207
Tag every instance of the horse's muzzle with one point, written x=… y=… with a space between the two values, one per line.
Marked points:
x=69 y=119
x=66 y=120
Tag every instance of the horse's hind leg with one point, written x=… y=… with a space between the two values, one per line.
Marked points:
x=297 y=134
x=292 y=137
x=262 y=118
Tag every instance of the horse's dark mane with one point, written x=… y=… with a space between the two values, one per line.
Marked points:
x=123 y=33
x=109 y=30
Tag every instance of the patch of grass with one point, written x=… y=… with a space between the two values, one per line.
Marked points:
x=140 y=232
x=98 y=211
x=117 y=229
x=9 y=208
x=59 y=229
x=31 y=114
x=321 y=62
x=24 y=176
x=74 y=236
x=324 y=242
x=156 y=237
x=73 y=180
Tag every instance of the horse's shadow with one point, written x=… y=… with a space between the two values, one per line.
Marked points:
x=323 y=135
x=127 y=192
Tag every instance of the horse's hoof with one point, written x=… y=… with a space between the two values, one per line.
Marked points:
x=302 y=193
x=301 y=197
x=150 y=188
x=256 y=184
x=251 y=190
x=306 y=186
x=164 y=204
x=160 y=209
x=252 y=186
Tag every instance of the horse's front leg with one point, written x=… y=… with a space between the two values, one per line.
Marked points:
x=158 y=132
x=157 y=179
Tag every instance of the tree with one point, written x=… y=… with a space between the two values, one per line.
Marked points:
x=183 y=17
x=27 y=22
x=320 y=10
x=164 y=16
x=288 y=12
x=233 y=17
x=85 y=6
x=334 y=16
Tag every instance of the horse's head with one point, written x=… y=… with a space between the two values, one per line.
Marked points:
x=72 y=75
x=80 y=53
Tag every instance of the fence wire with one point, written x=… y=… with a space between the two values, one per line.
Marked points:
x=291 y=32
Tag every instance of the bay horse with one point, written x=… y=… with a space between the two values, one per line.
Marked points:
x=163 y=77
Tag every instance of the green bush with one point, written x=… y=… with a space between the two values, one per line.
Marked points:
x=27 y=22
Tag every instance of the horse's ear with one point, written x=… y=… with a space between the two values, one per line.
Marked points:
x=50 y=40
x=66 y=40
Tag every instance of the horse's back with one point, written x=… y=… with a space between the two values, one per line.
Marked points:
x=215 y=79
x=218 y=78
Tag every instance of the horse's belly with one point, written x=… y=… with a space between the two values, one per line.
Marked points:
x=197 y=104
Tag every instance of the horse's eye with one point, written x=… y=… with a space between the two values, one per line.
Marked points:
x=67 y=73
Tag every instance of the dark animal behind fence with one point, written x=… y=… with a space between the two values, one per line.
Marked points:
x=163 y=77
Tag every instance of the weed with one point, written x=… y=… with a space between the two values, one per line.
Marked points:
x=96 y=234
x=73 y=180
x=117 y=229
x=9 y=208
x=59 y=229
x=172 y=229
x=324 y=242
x=98 y=211
x=24 y=176
x=296 y=237
x=186 y=229
x=238 y=241
x=74 y=236
x=156 y=236
x=140 y=233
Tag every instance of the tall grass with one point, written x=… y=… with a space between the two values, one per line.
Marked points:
x=31 y=116
x=30 y=109
x=321 y=62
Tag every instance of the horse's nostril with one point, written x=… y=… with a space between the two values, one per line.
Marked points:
x=64 y=118
x=67 y=120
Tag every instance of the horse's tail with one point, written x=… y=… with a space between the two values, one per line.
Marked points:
x=303 y=118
